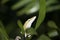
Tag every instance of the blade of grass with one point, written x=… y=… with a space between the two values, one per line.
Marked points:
x=42 y=13
x=34 y=9
x=3 y=32
x=20 y=4
x=24 y=10
x=20 y=26
x=49 y=2
x=4 y=35
x=52 y=8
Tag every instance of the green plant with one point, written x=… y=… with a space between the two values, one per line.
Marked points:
x=42 y=24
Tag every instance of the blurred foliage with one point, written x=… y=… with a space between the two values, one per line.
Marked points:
x=14 y=13
x=43 y=37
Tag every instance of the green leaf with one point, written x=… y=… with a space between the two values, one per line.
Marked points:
x=20 y=26
x=52 y=24
x=20 y=4
x=52 y=8
x=24 y=10
x=53 y=33
x=34 y=9
x=30 y=8
x=49 y=2
x=3 y=32
x=43 y=37
x=42 y=13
